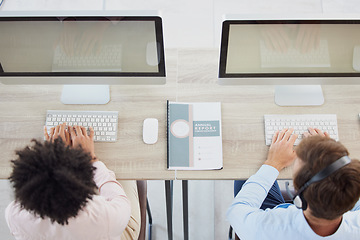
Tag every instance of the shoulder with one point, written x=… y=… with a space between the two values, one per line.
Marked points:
x=14 y=213
x=352 y=218
x=95 y=219
x=98 y=204
x=100 y=208
x=284 y=213
x=286 y=222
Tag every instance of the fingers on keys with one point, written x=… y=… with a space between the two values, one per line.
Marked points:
x=68 y=131
x=286 y=134
x=315 y=131
x=49 y=134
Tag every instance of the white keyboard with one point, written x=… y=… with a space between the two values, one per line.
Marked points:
x=293 y=57
x=107 y=60
x=104 y=123
x=300 y=124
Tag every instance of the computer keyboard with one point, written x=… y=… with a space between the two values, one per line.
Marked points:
x=293 y=57
x=106 y=60
x=104 y=123
x=300 y=124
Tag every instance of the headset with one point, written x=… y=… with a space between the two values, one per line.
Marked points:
x=298 y=199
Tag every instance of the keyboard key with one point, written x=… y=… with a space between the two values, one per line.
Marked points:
x=104 y=123
x=300 y=124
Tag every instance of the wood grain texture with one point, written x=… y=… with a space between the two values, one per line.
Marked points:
x=191 y=77
x=243 y=108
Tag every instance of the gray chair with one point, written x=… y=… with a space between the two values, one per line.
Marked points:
x=144 y=208
x=231 y=234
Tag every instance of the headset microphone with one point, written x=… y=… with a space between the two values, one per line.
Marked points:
x=298 y=199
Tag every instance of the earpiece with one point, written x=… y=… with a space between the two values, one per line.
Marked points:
x=298 y=199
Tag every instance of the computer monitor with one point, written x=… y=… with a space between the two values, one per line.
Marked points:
x=86 y=50
x=298 y=54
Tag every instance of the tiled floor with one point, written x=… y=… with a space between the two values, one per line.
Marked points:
x=187 y=24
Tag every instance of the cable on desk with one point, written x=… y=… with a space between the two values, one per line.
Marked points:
x=1 y=2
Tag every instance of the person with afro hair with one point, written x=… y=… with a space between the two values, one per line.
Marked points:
x=63 y=191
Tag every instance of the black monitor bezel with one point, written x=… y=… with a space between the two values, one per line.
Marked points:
x=159 y=39
x=224 y=49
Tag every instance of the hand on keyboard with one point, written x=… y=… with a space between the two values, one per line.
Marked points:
x=61 y=131
x=79 y=137
x=315 y=131
x=75 y=136
x=281 y=152
x=303 y=125
x=104 y=123
x=300 y=136
x=309 y=133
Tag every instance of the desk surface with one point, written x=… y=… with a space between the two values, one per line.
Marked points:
x=191 y=77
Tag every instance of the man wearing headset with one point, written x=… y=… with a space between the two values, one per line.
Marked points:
x=326 y=205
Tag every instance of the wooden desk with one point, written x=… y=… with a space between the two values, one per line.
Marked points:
x=191 y=76
x=22 y=117
x=243 y=108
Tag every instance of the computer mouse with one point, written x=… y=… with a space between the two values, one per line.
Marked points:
x=356 y=58
x=152 y=57
x=150 y=130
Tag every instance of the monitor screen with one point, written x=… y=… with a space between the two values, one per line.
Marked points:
x=81 y=46
x=290 y=48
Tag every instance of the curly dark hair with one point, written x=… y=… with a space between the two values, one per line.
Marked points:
x=53 y=180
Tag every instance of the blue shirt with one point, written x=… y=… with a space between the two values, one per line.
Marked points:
x=283 y=222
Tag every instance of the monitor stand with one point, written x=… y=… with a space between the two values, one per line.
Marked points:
x=299 y=95
x=85 y=94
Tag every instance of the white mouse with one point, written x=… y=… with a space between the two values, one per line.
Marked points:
x=356 y=58
x=150 y=130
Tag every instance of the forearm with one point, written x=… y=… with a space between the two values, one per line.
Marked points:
x=245 y=212
x=255 y=189
x=106 y=182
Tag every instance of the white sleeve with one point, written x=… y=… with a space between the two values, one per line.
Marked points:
x=106 y=182
x=9 y=211
x=245 y=214
x=119 y=208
